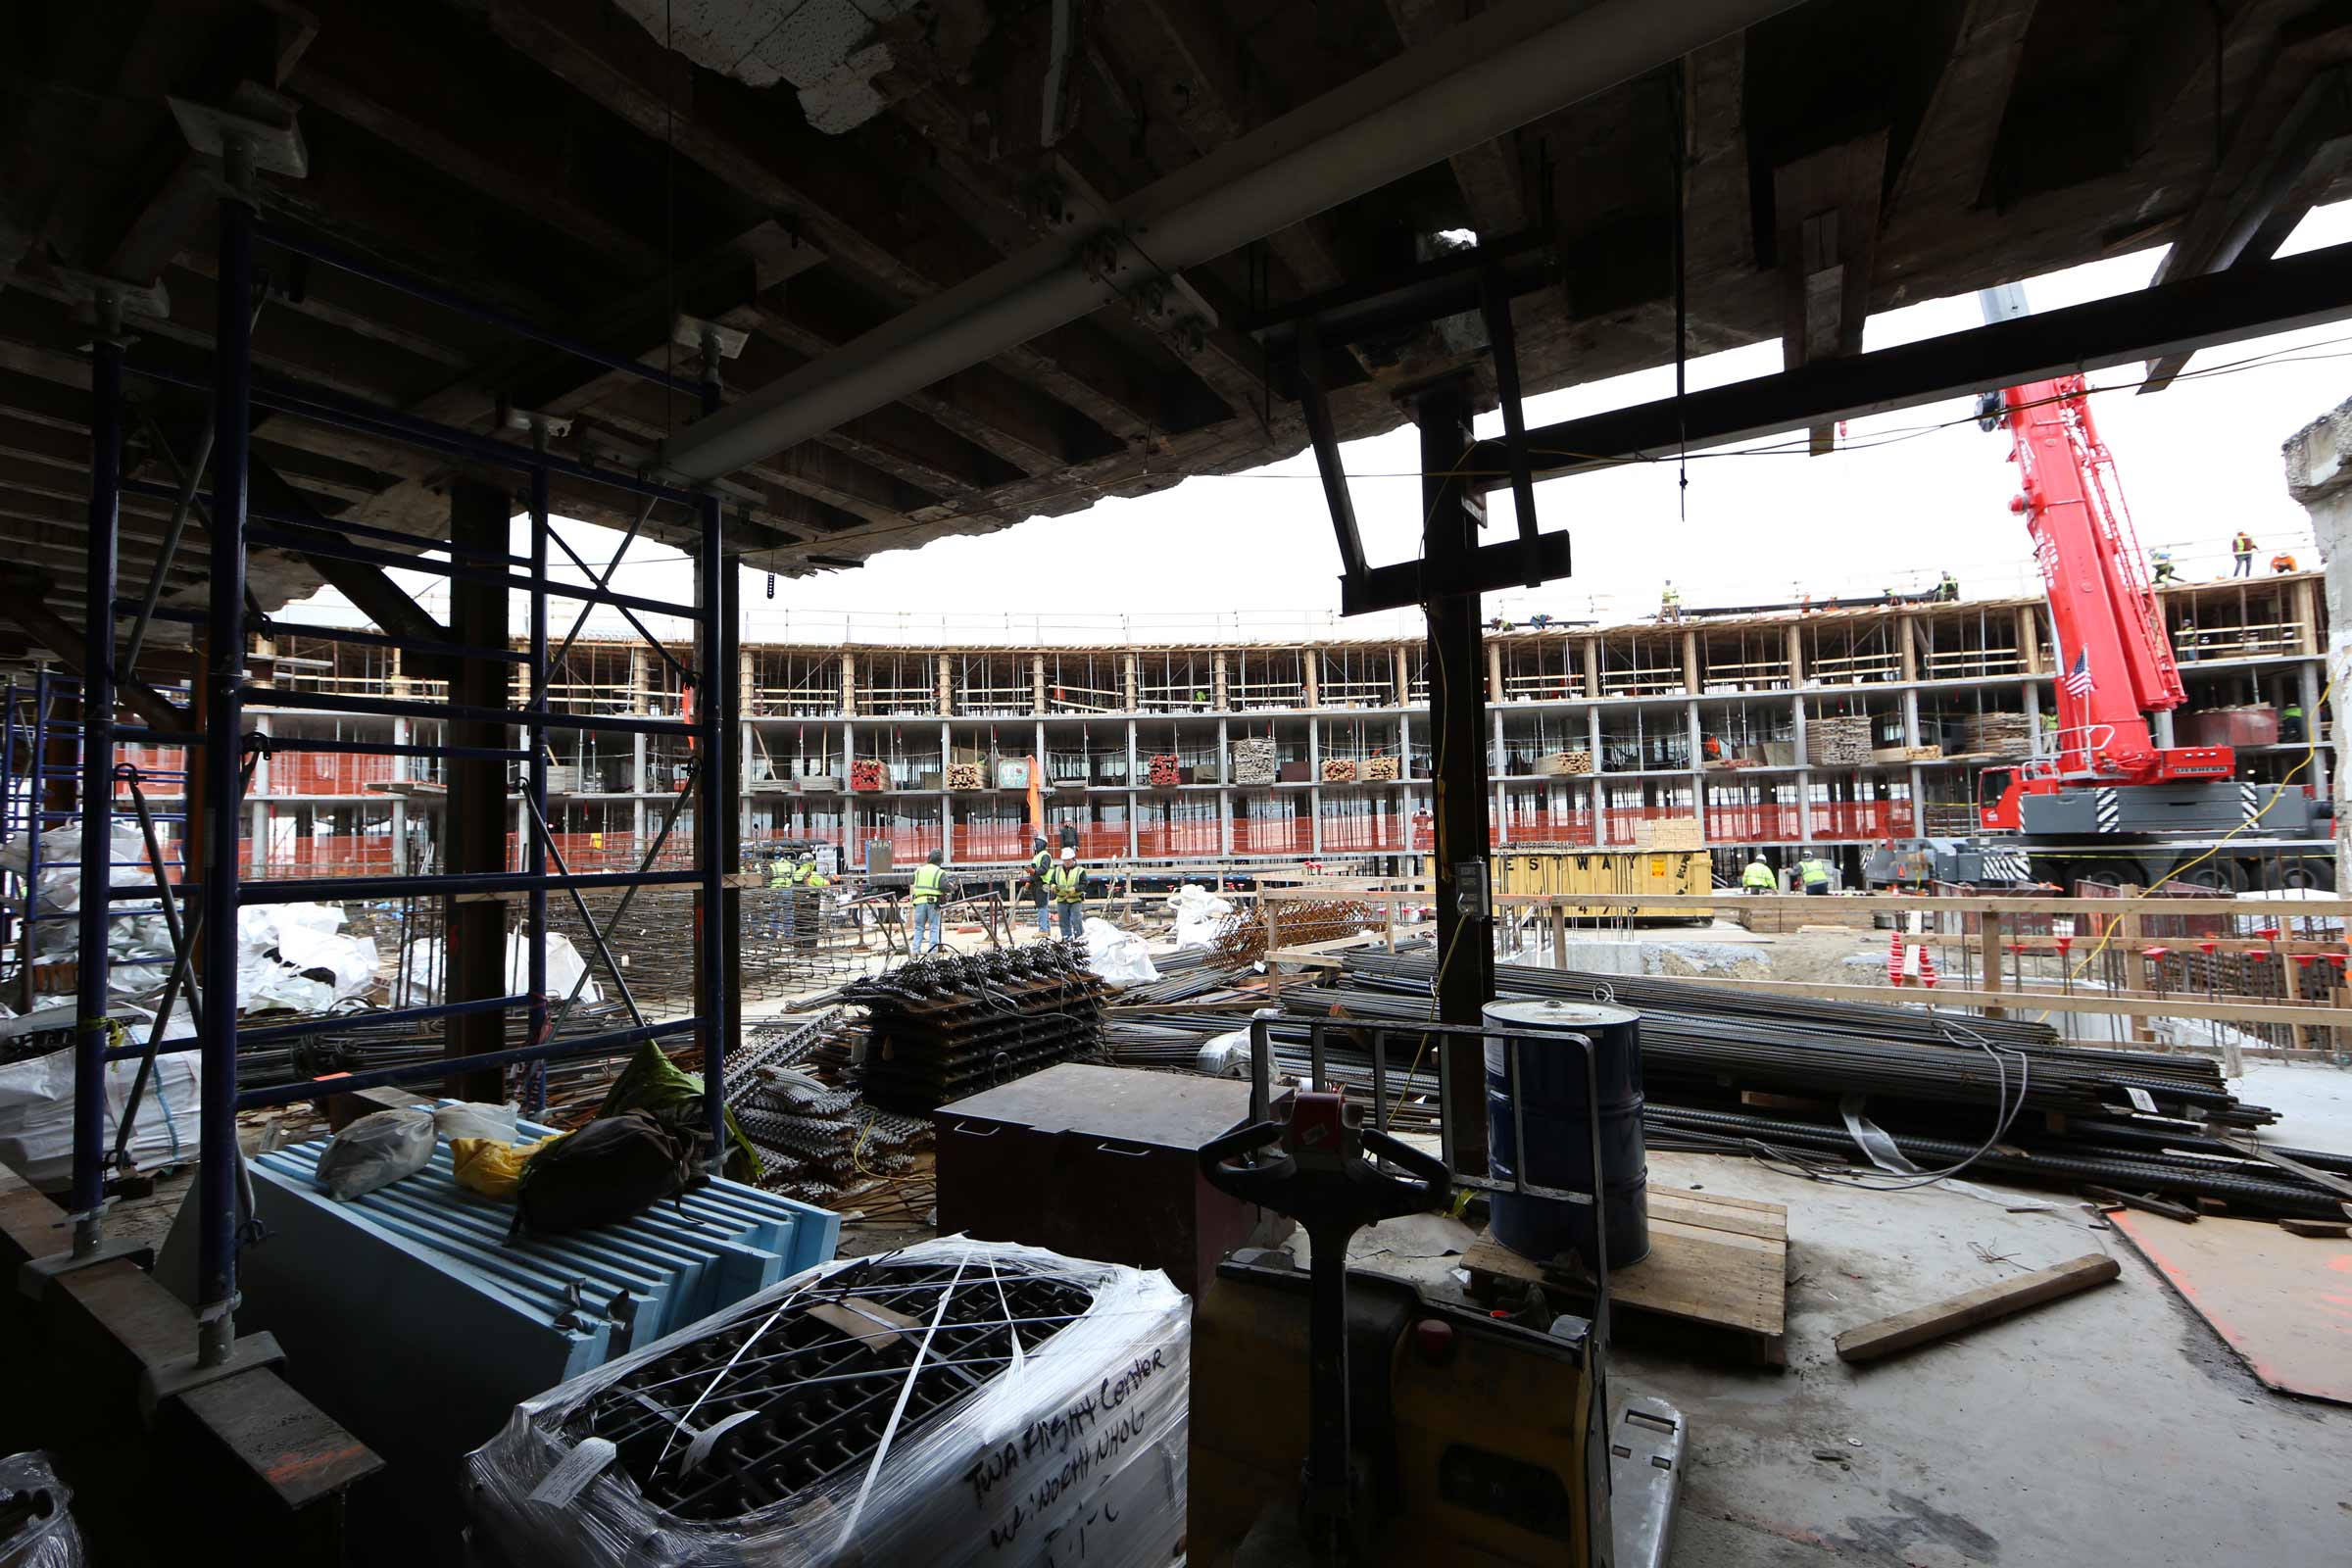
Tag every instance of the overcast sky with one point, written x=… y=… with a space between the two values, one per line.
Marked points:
x=1252 y=553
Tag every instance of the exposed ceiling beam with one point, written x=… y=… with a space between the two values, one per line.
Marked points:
x=1944 y=166
x=2288 y=147
x=1471 y=85
x=1826 y=207
x=2194 y=312
x=1488 y=175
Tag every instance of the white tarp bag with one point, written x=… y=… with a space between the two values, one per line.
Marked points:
x=1200 y=915
x=37 y=1112
x=294 y=956
x=423 y=968
x=1118 y=957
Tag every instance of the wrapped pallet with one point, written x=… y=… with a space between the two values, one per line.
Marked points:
x=954 y=1402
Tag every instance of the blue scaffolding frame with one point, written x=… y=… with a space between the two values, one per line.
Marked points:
x=212 y=729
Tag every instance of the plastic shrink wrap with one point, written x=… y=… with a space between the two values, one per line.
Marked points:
x=865 y=1433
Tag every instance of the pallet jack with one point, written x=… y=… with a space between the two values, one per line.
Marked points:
x=1431 y=1432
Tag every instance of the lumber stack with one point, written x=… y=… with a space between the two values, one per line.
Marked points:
x=1338 y=770
x=1253 y=761
x=967 y=776
x=1564 y=765
x=1380 y=769
x=1670 y=833
x=865 y=773
x=1841 y=741
x=1997 y=735
x=1166 y=771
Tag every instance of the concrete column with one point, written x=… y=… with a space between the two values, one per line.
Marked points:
x=1690 y=682
x=400 y=836
x=1217 y=694
x=849 y=684
x=1805 y=775
x=1592 y=658
x=2029 y=639
x=1311 y=668
x=1130 y=683
x=1037 y=683
x=947 y=685
x=1494 y=671
x=1404 y=676
x=2319 y=474
x=258 y=828
x=2310 y=674
x=1404 y=746
x=1906 y=642
x=1593 y=736
x=1911 y=719
x=2032 y=697
x=1797 y=655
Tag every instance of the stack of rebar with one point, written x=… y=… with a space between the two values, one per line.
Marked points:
x=1242 y=938
x=2002 y=1097
x=941 y=1028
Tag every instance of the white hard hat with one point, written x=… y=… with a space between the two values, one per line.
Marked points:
x=1069 y=855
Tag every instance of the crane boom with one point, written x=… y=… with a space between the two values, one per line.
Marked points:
x=2115 y=659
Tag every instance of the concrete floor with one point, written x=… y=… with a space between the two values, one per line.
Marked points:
x=2109 y=1428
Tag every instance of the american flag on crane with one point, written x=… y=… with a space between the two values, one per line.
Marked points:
x=2077 y=680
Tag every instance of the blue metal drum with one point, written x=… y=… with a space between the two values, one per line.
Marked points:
x=1553 y=1115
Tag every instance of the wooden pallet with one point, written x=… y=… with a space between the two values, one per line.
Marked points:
x=1715 y=1262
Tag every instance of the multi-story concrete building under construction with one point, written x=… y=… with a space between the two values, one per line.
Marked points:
x=1836 y=727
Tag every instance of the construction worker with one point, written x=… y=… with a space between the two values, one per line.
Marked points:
x=807 y=875
x=2049 y=734
x=1670 y=602
x=1815 y=873
x=2162 y=559
x=2241 y=552
x=1758 y=877
x=1066 y=881
x=930 y=886
x=2282 y=563
x=1947 y=589
x=1041 y=862
x=779 y=872
x=1538 y=621
x=2290 y=722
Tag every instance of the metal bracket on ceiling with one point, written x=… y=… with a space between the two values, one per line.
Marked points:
x=1424 y=294
x=258 y=130
x=105 y=301
x=693 y=332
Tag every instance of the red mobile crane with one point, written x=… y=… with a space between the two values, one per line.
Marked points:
x=2110 y=803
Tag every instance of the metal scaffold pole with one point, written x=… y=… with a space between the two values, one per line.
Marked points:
x=535 y=783
x=92 y=1029
x=225 y=677
x=717 y=828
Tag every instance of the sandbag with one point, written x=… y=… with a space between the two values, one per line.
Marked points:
x=493 y=1166
x=615 y=1168
x=378 y=1150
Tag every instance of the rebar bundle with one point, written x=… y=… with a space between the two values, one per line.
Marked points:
x=941 y=1028
x=1241 y=940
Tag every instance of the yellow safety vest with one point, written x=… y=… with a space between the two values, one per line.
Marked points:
x=1757 y=875
x=1815 y=872
x=930 y=882
x=1067 y=884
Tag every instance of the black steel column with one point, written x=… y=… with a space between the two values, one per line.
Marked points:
x=224 y=803
x=474 y=820
x=718 y=830
x=534 y=858
x=1452 y=510
x=97 y=782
